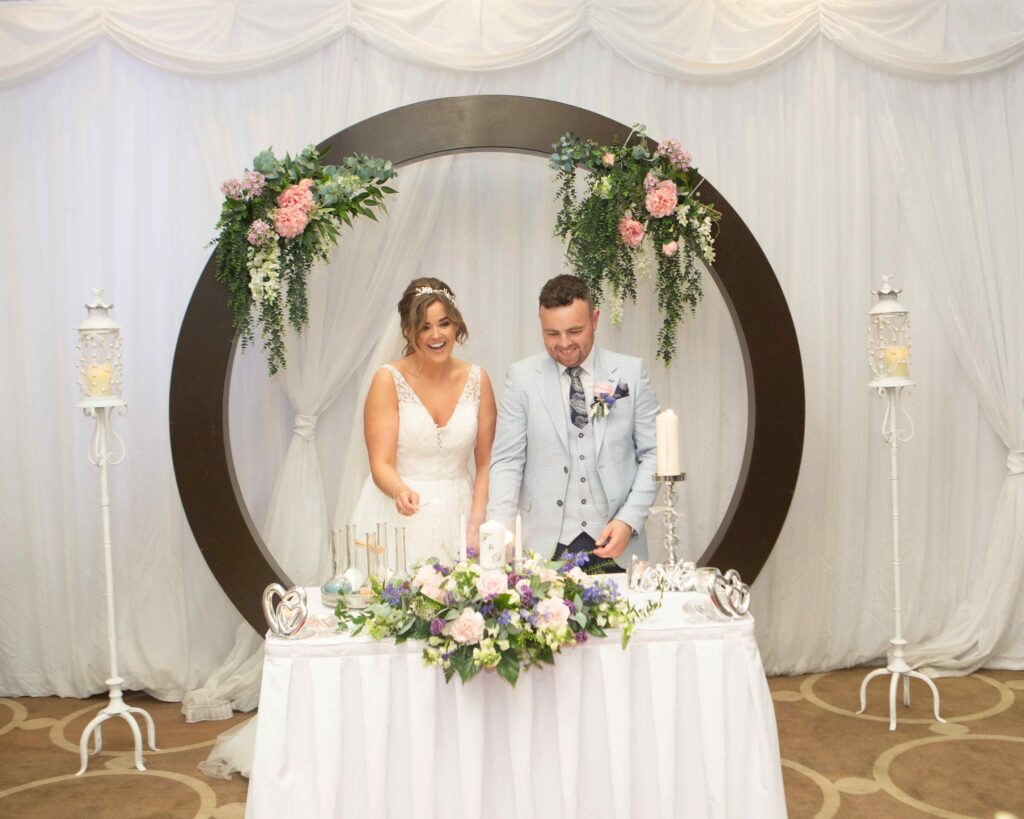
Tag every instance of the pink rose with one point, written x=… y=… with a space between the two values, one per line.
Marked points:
x=662 y=200
x=631 y=232
x=670 y=248
x=435 y=593
x=608 y=159
x=427 y=576
x=577 y=575
x=547 y=575
x=492 y=582
x=468 y=627
x=297 y=196
x=604 y=388
x=552 y=612
x=290 y=222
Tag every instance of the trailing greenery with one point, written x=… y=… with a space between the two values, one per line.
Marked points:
x=276 y=222
x=635 y=199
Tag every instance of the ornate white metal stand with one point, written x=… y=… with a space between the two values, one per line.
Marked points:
x=99 y=409
x=897 y=666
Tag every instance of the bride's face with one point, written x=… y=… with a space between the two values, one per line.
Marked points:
x=437 y=337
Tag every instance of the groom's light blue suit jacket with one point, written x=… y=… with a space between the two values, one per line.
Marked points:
x=530 y=458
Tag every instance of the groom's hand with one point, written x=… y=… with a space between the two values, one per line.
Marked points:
x=614 y=539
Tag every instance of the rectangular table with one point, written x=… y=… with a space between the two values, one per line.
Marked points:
x=679 y=724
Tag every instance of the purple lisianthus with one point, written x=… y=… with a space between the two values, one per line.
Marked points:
x=526 y=597
x=575 y=560
x=592 y=595
x=437 y=627
x=505 y=618
x=440 y=567
x=570 y=605
x=392 y=595
x=580 y=636
x=451 y=599
x=487 y=609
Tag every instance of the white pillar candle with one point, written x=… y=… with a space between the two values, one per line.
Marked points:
x=519 y=539
x=667 y=427
x=493 y=539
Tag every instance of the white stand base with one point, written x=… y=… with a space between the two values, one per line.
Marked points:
x=117 y=708
x=898 y=668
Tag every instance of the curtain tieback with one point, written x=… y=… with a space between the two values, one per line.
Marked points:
x=305 y=426
x=1015 y=462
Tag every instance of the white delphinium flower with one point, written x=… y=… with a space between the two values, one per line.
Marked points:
x=264 y=272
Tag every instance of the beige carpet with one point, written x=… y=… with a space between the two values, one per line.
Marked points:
x=835 y=763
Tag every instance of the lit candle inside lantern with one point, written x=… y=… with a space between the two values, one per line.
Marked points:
x=667 y=429
x=519 y=539
x=897 y=360
x=97 y=379
x=462 y=539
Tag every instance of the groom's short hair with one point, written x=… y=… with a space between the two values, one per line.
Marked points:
x=561 y=291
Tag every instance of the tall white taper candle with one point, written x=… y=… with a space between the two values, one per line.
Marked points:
x=667 y=427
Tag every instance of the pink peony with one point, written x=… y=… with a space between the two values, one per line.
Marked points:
x=290 y=222
x=608 y=159
x=492 y=582
x=297 y=196
x=670 y=248
x=468 y=627
x=603 y=388
x=631 y=232
x=662 y=200
x=552 y=612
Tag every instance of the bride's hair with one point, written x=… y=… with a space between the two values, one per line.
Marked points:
x=412 y=310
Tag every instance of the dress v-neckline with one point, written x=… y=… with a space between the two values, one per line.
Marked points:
x=416 y=395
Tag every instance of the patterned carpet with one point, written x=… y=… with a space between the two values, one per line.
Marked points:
x=835 y=762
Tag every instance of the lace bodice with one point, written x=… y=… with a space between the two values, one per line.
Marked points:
x=426 y=450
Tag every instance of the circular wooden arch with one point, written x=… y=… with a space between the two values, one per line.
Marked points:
x=201 y=375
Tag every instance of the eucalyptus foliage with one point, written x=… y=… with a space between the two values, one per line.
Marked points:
x=275 y=223
x=622 y=211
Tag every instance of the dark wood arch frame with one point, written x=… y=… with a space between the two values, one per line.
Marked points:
x=200 y=379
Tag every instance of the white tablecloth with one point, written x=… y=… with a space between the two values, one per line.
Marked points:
x=679 y=724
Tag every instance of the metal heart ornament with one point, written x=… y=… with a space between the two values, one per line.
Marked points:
x=289 y=615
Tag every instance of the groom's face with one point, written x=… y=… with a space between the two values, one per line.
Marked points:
x=569 y=332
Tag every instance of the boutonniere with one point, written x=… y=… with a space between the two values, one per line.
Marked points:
x=605 y=395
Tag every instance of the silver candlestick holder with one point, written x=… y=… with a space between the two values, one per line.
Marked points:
x=729 y=596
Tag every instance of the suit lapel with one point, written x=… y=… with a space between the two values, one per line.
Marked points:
x=552 y=393
x=603 y=371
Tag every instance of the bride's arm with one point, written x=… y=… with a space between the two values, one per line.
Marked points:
x=486 y=419
x=380 y=428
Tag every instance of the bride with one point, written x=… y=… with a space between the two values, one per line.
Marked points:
x=426 y=416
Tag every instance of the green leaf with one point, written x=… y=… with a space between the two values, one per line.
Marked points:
x=508 y=667
x=545 y=656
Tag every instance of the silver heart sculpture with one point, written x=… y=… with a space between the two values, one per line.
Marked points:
x=289 y=615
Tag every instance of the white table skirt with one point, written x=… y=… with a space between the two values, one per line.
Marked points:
x=679 y=724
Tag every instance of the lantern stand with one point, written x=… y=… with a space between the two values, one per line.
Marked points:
x=99 y=378
x=889 y=360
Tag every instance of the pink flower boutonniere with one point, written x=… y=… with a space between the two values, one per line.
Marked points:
x=606 y=394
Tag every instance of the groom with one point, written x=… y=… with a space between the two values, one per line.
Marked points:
x=574 y=448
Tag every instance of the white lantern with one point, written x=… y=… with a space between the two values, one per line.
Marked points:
x=889 y=339
x=99 y=355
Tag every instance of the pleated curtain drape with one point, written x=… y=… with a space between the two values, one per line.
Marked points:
x=854 y=140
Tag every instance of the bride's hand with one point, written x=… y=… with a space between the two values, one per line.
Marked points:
x=407 y=502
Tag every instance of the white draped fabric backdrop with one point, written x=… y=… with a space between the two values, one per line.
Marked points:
x=853 y=143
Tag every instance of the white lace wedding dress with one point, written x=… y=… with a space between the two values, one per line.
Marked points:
x=432 y=460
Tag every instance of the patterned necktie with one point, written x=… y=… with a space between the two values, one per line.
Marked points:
x=577 y=403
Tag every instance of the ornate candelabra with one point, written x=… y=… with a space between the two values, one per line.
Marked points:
x=728 y=595
x=889 y=359
x=99 y=378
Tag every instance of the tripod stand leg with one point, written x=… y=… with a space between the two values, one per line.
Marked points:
x=906 y=691
x=864 y=687
x=892 y=700
x=137 y=735
x=935 y=692
x=150 y=727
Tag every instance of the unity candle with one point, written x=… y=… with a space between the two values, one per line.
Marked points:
x=492 y=545
x=668 y=443
x=97 y=379
x=897 y=361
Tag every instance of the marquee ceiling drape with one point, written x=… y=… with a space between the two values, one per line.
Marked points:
x=122 y=119
x=694 y=39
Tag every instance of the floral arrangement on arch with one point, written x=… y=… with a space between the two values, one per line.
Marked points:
x=277 y=221
x=636 y=198
x=508 y=619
